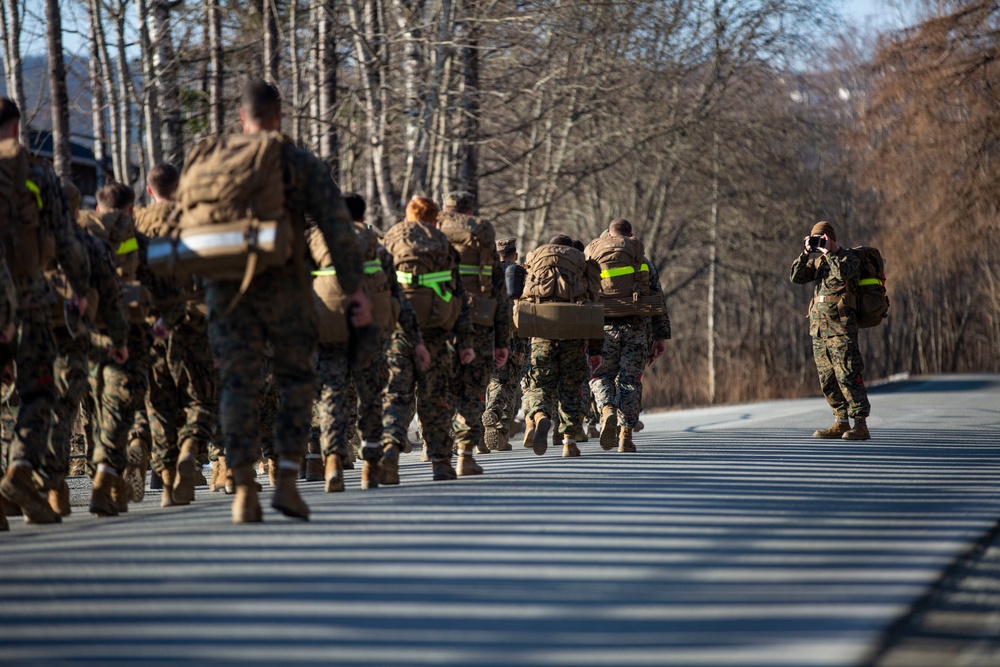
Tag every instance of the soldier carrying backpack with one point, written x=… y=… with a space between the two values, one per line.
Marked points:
x=833 y=324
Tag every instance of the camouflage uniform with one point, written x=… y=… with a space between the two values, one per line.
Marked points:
x=618 y=382
x=182 y=402
x=71 y=368
x=8 y=294
x=834 y=330
x=557 y=369
x=342 y=384
x=503 y=394
x=36 y=348
x=118 y=391
x=278 y=307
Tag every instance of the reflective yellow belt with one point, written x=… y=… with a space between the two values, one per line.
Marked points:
x=431 y=280
x=865 y=282
x=127 y=246
x=371 y=266
x=623 y=271
x=475 y=270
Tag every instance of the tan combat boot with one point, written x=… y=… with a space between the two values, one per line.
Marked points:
x=119 y=494
x=625 y=444
x=102 y=502
x=59 y=499
x=18 y=487
x=370 y=469
x=839 y=428
x=540 y=443
x=570 y=449
x=246 y=506
x=389 y=466
x=609 y=427
x=184 y=481
x=135 y=471
x=334 y=474
x=860 y=430
x=169 y=476
x=514 y=427
x=424 y=456
x=442 y=469
x=638 y=426
x=592 y=431
x=529 y=431
x=220 y=475
x=467 y=465
x=286 y=498
x=314 y=468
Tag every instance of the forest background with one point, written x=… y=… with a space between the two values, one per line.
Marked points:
x=723 y=129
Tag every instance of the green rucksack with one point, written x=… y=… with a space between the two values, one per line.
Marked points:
x=867 y=295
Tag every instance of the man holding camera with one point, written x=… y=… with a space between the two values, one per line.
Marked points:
x=834 y=330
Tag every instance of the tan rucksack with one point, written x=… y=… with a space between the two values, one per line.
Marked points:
x=157 y=219
x=556 y=273
x=625 y=288
x=329 y=297
x=424 y=265
x=117 y=229
x=20 y=202
x=233 y=219
x=475 y=241
x=557 y=299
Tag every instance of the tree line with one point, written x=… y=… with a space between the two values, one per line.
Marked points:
x=721 y=128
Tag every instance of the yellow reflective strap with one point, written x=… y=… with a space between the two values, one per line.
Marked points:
x=434 y=278
x=621 y=271
x=475 y=270
x=372 y=266
x=328 y=271
x=35 y=190
x=404 y=277
x=865 y=282
x=644 y=267
x=127 y=246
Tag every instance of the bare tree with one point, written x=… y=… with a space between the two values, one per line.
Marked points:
x=10 y=30
x=150 y=91
x=59 y=104
x=272 y=42
x=165 y=80
x=215 y=86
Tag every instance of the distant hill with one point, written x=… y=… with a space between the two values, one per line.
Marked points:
x=36 y=93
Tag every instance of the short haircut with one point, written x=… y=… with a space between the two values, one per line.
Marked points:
x=356 y=206
x=422 y=209
x=261 y=101
x=620 y=227
x=115 y=197
x=8 y=111
x=561 y=239
x=508 y=254
x=163 y=180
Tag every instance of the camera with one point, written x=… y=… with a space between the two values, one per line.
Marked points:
x=816 y=241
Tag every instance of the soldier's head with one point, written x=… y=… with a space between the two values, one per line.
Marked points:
x=116 y=197
x=824 y=227
x=561 y=239
x=162 y=181
x=356 y=206
x=578 y=244
x=507 y=249
x=73 y=197
x=462 y=202
x=620 y=227
x=260 y=107
x=422 y=209
x=10 y=118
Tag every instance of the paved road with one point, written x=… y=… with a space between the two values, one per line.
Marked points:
x=732 y=538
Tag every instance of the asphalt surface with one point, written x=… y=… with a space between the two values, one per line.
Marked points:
x=731 y=538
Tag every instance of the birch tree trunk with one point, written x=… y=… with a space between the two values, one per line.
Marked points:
x=59 y=103
x=296 y=75
x=217 y=115
x=467 y=148
x=150 y=93
x=97 y=104
x=124 y=106
x=329 y=144
x=272 y=48
x=315 y=73
x=110 y=90
x=12 y=67
x=168 y=90
x=409 y=15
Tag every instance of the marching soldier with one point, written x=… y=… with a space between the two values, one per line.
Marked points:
x=503 y=395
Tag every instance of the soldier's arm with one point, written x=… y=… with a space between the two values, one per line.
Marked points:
x=843 y=265
x=501 y=320
x=659 y=324
x=55 y=214
x=407 y=316
x=322 y=201
x=110 y=305
x=167 y=297
x=8 y=296
x=803 y=270
x=463 y=325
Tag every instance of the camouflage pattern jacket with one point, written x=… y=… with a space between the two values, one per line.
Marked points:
x=831 y=273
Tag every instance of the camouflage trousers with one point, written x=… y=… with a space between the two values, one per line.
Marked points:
x=503 y=395
x=840 y=367
x=34 y=356
x=337 y=410
x=277 y=308
x=72 y=378
x=268 y=400
x=468 y=391
x=558 y=369
x=182 y=403
x=425 y=392
x=350 y=421
x=618 y=381
x=114 y=411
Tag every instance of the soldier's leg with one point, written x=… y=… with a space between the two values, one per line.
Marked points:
x=71 y=376
x=163 y=410
x=333 y=370
x=572 y=365
x=193 y=369
x=469 y=386
x=268 y=400
x=848 y=367
x=603 y=384
x=825 y=367
x=370 y=383
x=631 y=363
x=35 y=355
x=433 y=409
x=399 y=398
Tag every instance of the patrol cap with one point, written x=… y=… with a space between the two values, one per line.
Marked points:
x=460 y=199
x=823 y=227
x=508 y=244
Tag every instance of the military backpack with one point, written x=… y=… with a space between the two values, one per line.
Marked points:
x=475 y=241
x=625 y=286
x=29 y=247
x=867 y=294
x=424 y=268
x=556 y=301
x=117 y=229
